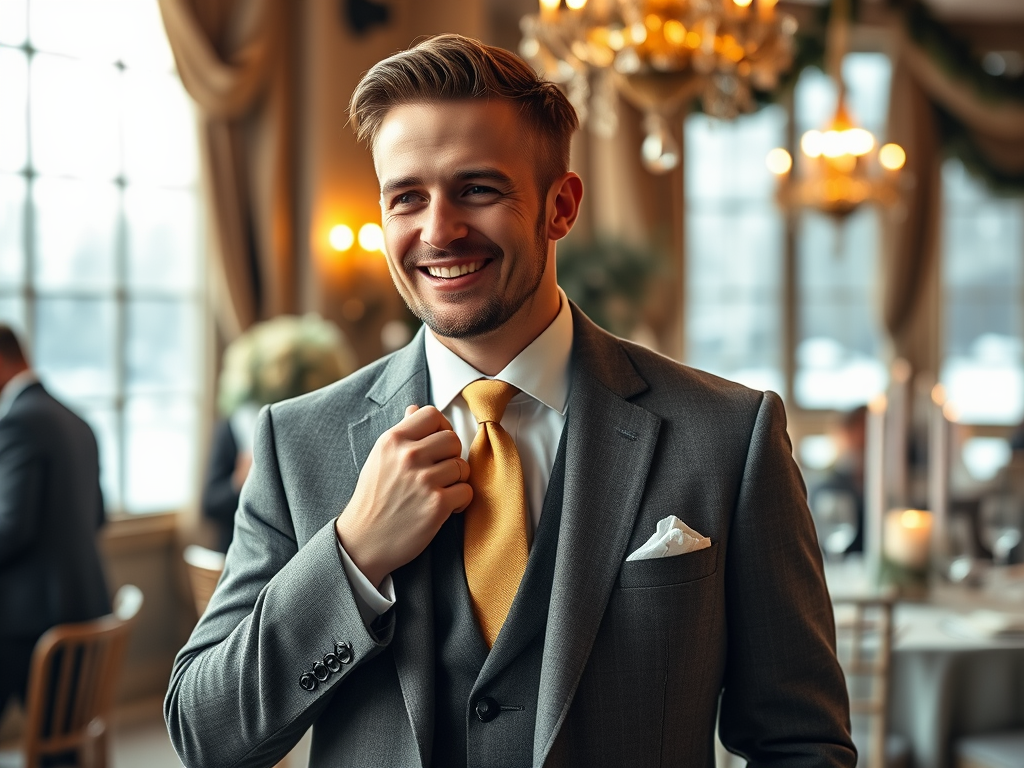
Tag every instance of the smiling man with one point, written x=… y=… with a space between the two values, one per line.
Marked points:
x=519 y=540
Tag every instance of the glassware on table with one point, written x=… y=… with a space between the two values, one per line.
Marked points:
x=1001 y=518
x=835 y=517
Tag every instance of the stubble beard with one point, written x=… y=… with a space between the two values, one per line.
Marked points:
x=496 y=311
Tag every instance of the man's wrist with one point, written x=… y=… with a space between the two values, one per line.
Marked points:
x=349 y=541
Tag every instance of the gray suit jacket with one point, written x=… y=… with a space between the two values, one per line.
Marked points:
x=636 y=653
x=50 y=510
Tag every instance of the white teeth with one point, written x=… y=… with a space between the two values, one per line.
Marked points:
x=456 y=271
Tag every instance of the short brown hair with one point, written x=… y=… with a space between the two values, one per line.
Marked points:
x=10 y=347
x=453 y=67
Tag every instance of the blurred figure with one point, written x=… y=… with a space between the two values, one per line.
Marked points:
x=272 y=361
x=837 y=500
x=51 y=507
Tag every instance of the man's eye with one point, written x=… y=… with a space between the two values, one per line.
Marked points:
x=405 y=198
x=480 y=189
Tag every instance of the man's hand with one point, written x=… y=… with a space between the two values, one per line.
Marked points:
x=413 y=479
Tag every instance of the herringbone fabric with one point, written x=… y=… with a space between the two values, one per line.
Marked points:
x=495 y=548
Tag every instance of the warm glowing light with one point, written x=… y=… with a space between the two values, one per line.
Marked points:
x=939 y=394
x=892 y=157
x=674 y=32
x=616 y=40
x=810 y=143
x=859 y=141
x=915 y=518
x=653 y=22
x=693 y=40
x=742 y=3
x=371 y=237
x=551 y=5
x=575 y=5
x=779 y=161
x=833 y=144
x=638 y=33
x=341 y=237
x=878 y=404
x=951 y=412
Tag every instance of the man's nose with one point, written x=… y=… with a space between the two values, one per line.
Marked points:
x=443 y=225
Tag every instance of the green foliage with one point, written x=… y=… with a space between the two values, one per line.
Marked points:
x=609 y=280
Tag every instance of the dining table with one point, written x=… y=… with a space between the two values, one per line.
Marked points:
x=957 y=665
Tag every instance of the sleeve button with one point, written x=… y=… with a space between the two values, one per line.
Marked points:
x=344 y=652
x=332 y=662
x=307 y=681
x=320 y=671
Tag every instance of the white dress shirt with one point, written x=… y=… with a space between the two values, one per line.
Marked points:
x=534 y=418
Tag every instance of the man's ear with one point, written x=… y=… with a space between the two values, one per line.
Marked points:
x=564 y=198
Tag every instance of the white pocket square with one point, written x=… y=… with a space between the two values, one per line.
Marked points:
x=673 y=537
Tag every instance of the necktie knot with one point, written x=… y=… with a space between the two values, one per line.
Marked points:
x=487 y=399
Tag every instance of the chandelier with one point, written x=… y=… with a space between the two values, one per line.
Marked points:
x=842 y=166
x=659 y=55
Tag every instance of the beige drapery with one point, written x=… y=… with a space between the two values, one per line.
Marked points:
x=234 y=58
x=911 y=284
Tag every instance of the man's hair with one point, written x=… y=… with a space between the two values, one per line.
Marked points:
x=453 y=67
x=10 y=347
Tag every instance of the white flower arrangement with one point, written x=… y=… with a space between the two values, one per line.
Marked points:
x=282 y=358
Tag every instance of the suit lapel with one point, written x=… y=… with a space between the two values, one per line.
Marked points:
x=609 y=446
x=403 y=383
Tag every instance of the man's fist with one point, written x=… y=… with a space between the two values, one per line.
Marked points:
x=413 y=479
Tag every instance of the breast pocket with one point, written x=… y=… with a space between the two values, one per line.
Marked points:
x=666 y=571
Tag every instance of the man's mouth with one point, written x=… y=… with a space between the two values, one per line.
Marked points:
x=458 y=270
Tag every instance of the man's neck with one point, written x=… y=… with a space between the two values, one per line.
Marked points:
x=491 y=352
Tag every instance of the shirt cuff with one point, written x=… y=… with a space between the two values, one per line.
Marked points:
x=370 y=601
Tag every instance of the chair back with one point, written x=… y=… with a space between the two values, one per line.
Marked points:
x=204 y=569
x=71 y=683
x=864 y=645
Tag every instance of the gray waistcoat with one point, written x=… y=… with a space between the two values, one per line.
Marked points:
x=498 y=732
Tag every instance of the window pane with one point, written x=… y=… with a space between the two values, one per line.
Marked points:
x=13 y=108
x=12 y=312
x=74 y=118
x=163 y=239
x=76 y=233
x=734 y=249
x=12 y=231
x=13 y=16
x=143 y=42
x=725 y=160
x=839 y=349
x=983 y=283
x=102 y=417
x=160 y=130
x=79 y=28
x=163 y=347
x=160 y=453
x=74 y=346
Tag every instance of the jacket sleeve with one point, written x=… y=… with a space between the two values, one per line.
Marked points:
x=21 y=490
x=234 y=697
x=784 y=700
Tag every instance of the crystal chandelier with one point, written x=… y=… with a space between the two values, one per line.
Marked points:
x=659 y=55
x=842 y=167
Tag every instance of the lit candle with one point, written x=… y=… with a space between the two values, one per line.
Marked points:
x=907 y=538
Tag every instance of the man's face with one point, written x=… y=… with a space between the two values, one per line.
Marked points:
x=464 y=221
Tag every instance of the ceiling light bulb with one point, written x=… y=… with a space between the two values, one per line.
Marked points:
x=859 y=141
x=575 y=5
x=371 y=237
x=892 y=157
x=779 y=161
x=810 y=143
x=832 y=144
x=341 y=237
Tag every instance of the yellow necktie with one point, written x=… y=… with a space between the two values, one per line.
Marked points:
x=495 y=548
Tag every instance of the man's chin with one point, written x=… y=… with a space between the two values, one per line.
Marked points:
x=462 y=325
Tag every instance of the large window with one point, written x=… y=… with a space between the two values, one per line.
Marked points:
x=737 y=260
x=100 y=233
x=983 y=289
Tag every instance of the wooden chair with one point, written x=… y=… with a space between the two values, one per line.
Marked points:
x=864 y=632
x=204 y=569
x=71 y=685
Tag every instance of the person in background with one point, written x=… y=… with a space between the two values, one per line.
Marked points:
x=842 y=485
x=272 y=361
x=51 y=508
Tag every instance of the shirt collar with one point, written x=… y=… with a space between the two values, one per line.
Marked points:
x=18 y=383
x=541 y=370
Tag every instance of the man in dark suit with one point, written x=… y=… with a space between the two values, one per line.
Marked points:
x=519 y=540
x=50 y=510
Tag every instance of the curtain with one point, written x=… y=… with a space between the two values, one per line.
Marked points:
x=234 y=58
